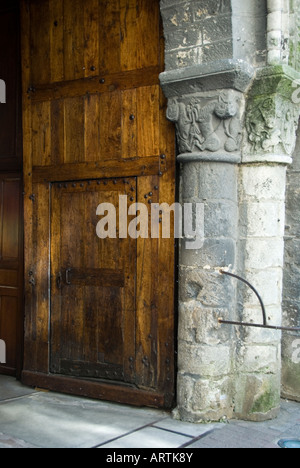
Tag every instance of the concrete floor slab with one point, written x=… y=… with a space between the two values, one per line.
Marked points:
x=11 y=388
x=150 y=437
x=52 y=420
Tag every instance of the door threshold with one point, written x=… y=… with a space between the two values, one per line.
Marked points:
x=96 y=390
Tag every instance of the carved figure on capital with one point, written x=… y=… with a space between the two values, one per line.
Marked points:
x=207 y=123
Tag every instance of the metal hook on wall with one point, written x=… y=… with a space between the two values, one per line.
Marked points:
x=255 y=325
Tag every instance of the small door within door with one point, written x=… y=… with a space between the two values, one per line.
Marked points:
x=92 y=284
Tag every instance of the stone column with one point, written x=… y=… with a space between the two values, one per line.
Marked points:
x=270 y=128
x=209 y=135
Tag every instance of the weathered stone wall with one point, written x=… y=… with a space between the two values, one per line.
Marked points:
x=202 y=31
x=291 y=296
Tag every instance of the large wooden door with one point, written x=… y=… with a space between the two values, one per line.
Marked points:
x=11 y=228
x=99 y=313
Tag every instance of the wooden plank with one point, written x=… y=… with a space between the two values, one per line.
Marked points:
x=74 y=67
x=56 y=20
x=41 y=134
x=146 y=367
x=74 y=130
x=109 y=37
x=107 y=82
x=92 y=128
x=39 y=42
x=129 y=124
x=11 y=221
x=57 y=132
x=98 y=170
x=129 y=38
x=148 y=43
x=8 y=278
x=148 y=111
x=91 y=37
x=110 y=125
x=73 y=386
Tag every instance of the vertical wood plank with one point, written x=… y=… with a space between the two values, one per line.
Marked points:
x=40 y=42
x=145 y=308
x=11 y=219
x=109 y=36
x=148 y=42
x=55 y=264
x=41 y=134
x=57 y=132
x=129 y=37
x=74 y=66
x=42 y=275
x=110 y=125
x=92 y=128
x=148 y=121
x=56 y=20
x=129 y=124
x=74 y=130
x=91 y=38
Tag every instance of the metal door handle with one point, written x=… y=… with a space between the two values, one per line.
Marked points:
x=68 y=271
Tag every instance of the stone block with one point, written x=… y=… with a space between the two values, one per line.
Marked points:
x=257 y=396
x=216 y=181
x=290 y=366
x=255 y=336
x=204 y=361
x=260 y=253
x=181 y=58
x=217 y=51
x=264 y=359
x=204 y=400
x=220 y=219
x=259 y=183
x=215 y=27
x=215 y=254
x=262 y=219
x=268 y=283
x=200 y=324
x=207 y=8
x=207 y=287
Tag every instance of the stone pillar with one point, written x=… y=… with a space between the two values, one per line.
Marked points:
x=209 y=134
x=270 y=125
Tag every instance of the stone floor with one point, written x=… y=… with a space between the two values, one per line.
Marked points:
x=37 y=419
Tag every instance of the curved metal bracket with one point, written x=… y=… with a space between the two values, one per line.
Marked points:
x=255 y=325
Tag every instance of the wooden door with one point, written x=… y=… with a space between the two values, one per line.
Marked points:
x=11 y=188
x=94 y=113
x=93 y=287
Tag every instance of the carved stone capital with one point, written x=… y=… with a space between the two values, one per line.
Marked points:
x=272 y=116
x=208 y=125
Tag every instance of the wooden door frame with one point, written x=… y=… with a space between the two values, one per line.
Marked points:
x=11 y=167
